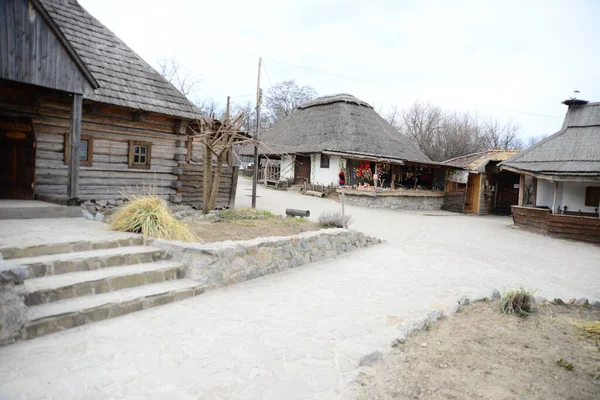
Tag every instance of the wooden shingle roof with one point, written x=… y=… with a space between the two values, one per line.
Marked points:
x=124 y=78
x=477 y=161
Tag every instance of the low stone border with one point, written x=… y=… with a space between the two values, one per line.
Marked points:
x=464 y=301
x=225 y=263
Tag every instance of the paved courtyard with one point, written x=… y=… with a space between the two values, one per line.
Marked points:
x=299 y=334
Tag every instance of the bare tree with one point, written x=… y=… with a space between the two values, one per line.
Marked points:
x=424 y=124
x=394 y=117
x=183 y=80
x=534 y=139
x=281 y=99
x=218 y=138
x=501 y=136
x=210 y=107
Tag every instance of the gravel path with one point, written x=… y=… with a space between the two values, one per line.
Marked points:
x=299 y=334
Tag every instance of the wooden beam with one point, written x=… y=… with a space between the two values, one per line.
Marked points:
x=181 y=127
x=521 y=189
x=75 y=137
x=234 y=181
x=555 y=197
x=534 y=192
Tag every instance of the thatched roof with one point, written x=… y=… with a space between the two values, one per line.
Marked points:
x=125 y=79
x=572 y=151
x=478 y=161
x=339 y=123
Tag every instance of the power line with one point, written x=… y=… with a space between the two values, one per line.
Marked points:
x=396 y=88
x=518 y=112
x=266 y=73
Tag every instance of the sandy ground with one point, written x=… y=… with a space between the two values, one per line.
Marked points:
x=479 y=353
x=299 y=334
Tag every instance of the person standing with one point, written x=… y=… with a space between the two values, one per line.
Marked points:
x=342 y=178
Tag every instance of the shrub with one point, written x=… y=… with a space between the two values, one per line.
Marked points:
x=150 y=216
x=334 y=220
x=517 y=301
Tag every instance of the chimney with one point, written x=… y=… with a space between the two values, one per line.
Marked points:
x=574 y=101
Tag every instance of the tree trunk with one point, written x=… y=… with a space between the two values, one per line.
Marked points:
x=206 y=179
x=216 y=182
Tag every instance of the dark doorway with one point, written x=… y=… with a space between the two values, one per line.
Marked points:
x=302 y=170
x=17 y=159
x=507 y=192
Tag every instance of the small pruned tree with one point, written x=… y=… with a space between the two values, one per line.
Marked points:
x=217 y=137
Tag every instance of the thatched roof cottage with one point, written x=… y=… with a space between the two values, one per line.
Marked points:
x=342 y=133
x=84 y=116
x=566 y=176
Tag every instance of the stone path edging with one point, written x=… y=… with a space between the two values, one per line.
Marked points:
x=224 y=263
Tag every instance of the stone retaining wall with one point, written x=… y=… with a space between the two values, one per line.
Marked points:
x=13 y=312
x=224 y=263
x=397 y=202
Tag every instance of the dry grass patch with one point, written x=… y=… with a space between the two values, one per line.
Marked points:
x=248 y=223
x=150 y=216
x=480 y=353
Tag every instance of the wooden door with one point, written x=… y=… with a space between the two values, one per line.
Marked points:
x=472 y=196
x=302 y=170
x=17 y=163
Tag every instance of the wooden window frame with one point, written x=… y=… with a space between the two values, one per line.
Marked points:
x=322 y=164
x=90 y=150
x=148 y=164
x=589 y=194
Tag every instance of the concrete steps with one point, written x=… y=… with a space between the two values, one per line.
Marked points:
x=56 y=264
x=72 y=284
x=60 y=248
x=65 y=314
x=60 y=287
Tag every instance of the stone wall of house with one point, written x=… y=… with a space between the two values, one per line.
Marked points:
x=397 y=202
x=454 y=201
x=225 y=263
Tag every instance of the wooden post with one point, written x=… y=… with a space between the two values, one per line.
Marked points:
x=555 y=197
x=534 y=192
x=234 y=181
x=344 y=207
x=521 y=189
x=393 y=185
x=256 y=134
x=75 y=137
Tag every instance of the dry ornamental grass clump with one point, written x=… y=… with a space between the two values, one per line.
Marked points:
x=517 y=301
x=150 y=216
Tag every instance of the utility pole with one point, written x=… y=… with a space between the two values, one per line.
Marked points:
x=256 y=166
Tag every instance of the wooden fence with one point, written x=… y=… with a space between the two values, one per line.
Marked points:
x=191 y=186
x=540 y=220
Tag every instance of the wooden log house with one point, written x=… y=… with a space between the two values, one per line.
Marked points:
x=82 y=116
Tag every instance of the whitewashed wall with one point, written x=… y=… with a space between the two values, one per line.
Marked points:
x=326 y=176
x=545 y=193
x=287 y=167
x=573 y=196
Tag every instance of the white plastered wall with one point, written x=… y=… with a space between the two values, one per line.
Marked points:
x=326 y=176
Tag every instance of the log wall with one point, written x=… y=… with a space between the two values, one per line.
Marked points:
x=192 y=184
x=111 y=129
x=586 y=229
x=540 y=220
x=531 y=218
x=454 y=201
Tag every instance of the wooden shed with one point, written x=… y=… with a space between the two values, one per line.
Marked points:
x=82 y=116
x=476 y=186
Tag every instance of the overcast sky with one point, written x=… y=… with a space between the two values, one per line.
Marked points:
x=478 y=56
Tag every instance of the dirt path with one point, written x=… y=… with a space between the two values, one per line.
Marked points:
x=482 y=354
